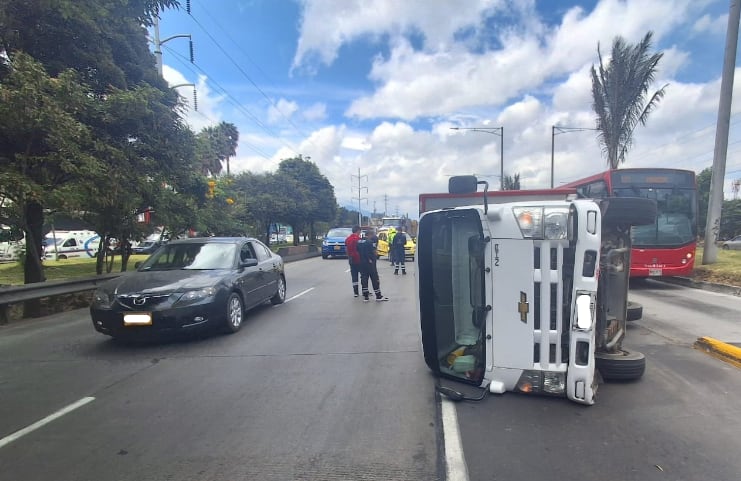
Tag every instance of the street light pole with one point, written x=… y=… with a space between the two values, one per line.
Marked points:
x=499 y=131
x=556 y=130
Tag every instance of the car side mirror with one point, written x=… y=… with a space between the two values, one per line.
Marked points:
x=248 y=263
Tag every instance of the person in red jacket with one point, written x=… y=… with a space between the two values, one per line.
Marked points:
x=353 y=256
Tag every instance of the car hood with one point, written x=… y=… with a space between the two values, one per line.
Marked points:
x=163 y=282
x=335 y=239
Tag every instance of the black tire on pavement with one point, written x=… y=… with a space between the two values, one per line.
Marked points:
x=280 y=293
x=629 y=211
x=324 y=256
x=234 y=313
x=620 y=366
x=635 y=311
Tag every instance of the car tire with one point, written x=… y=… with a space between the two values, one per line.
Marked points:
x=280 y=294
x=725 y=247
x=621 y=365
x=234 y=313
x=61 y=257
x=635 y=311
x=324 y=256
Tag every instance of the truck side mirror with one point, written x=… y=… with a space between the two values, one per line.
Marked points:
x=462 y=184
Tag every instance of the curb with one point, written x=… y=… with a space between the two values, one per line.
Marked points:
x=708 y=286
x=719 y=350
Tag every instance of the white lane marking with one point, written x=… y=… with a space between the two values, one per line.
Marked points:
x=455 y=461
x=9 y=439
x=300 y=294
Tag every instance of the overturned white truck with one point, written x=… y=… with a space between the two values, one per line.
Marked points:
x=528 y=295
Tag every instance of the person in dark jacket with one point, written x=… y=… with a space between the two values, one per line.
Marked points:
x=367 y=248
x=353 y=256
x=398 y=256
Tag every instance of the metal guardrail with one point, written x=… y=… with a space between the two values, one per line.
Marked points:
x=10 y=295
x=15 y=294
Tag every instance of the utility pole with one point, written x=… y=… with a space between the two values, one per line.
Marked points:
x=360 y=190
x=158 y=43
x=715 y=203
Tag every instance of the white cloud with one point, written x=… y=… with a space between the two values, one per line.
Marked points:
x=315 y=112
x=281 y=111
x=708 y=24
x=210 y=106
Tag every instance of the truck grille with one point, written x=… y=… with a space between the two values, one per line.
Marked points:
x=553 y=273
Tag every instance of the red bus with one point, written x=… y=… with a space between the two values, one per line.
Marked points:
x=666 y=248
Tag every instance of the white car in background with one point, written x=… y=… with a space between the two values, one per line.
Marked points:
x=733 y=244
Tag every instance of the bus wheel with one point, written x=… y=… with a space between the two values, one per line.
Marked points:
x=621 y=365
x=635 y=311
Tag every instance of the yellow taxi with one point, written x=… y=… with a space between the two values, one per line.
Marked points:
x=410 y=248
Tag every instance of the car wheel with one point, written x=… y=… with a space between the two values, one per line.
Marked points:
x=61 y=257
x=234 y=313
x=635 y=311
x=621 y=365
x=725 y=247
x=280 y=294
x=324 y=256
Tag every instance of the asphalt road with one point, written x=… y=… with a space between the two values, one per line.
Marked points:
x=327 y=387
x=681 y=421
x=323 y=387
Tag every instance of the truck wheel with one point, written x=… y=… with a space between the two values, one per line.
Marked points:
x=621 y=365
x=635 y=311
x=629 y=211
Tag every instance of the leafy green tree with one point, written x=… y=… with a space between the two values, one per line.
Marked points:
x=45 y=150
x=512 y=183
x=263 y=201
x=730 y=219
x=619 y=93
x=314 y=195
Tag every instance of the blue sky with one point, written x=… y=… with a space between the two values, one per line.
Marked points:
x=374 y=87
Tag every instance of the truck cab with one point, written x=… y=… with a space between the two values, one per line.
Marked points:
x=527 y=295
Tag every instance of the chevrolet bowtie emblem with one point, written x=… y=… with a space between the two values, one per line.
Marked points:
x=523 y=307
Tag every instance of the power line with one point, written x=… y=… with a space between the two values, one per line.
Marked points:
x=235 y=103
x=246 y=75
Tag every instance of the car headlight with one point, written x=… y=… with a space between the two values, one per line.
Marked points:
x=190 y=297
x=102 y=298
x=324 y=243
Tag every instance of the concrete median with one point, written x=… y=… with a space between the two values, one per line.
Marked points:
x=720 y=350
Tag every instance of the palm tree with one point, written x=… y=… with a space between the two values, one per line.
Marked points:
x=619 y=92
x=228 y=139
x=512 y=183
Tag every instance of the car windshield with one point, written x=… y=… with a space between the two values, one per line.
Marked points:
x=194 y=256
x=342 y=232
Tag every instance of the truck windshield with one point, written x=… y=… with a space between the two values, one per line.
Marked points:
x=453 y=301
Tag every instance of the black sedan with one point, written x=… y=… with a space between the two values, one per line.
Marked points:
x=189 y=285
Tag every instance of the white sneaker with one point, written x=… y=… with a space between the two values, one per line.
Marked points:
x=381 y=299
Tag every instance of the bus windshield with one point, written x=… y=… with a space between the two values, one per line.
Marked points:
x=677 y=216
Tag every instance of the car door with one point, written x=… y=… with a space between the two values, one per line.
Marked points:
x=250 y=278
x=269 y=269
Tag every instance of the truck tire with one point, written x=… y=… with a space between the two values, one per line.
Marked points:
x=628 y=211
x=635 y=311
x=620 y=366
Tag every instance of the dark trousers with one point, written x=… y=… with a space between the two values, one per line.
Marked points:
x=367 y=271
x=354 y=273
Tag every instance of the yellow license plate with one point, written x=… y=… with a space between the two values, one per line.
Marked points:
x=138 y=319
x=336 y=248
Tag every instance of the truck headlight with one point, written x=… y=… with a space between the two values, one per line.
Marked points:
x=584 y=311
x=542 y=222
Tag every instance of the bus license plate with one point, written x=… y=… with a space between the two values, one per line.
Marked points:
x=138 y=319
x=654 y=272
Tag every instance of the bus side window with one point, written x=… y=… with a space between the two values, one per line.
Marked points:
x=597 y=190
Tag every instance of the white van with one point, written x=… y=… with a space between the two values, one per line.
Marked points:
x=71 y=244
x=12 y=243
